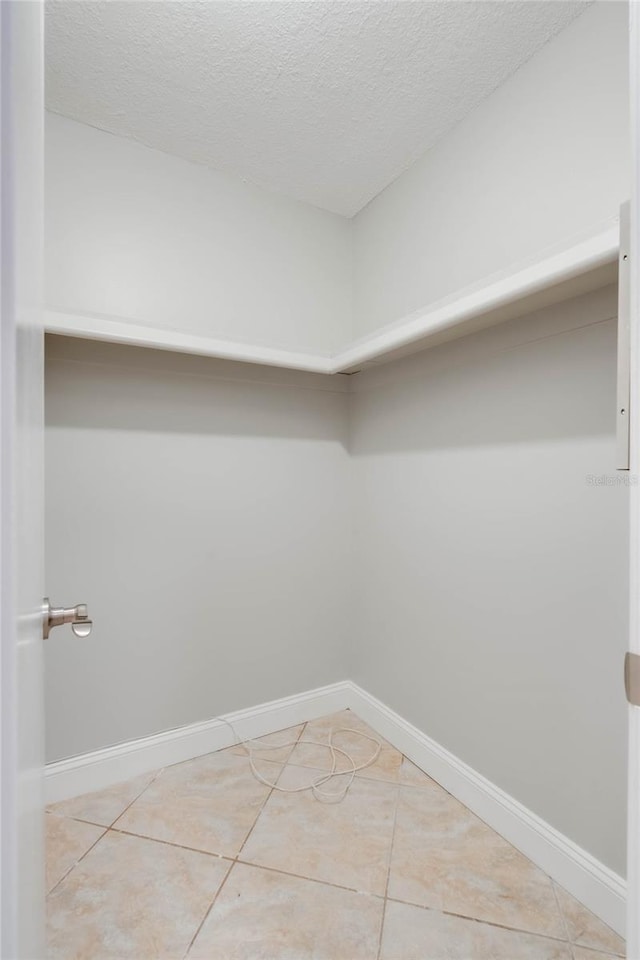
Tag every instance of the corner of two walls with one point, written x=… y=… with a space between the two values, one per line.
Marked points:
x=137 y=234
x=546 y=157
x=501 y=445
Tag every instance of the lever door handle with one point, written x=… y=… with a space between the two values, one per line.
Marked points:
x=77 y=616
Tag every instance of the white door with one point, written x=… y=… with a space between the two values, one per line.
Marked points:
x=21 y=480
x=633 y=842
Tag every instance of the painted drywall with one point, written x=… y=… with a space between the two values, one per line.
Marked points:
x=137 y=234
x=200 y=508
x=205 y=510
x=491 y=569
x=325 y=102
x=544 y=158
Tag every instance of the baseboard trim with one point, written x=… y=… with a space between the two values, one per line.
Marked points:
x=596 y=886
x=103 y=768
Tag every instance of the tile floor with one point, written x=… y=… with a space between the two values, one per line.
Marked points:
x=201 y=860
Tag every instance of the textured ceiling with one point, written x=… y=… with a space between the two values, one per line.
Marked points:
x=324 y=101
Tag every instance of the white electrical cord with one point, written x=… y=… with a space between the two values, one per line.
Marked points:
x=315 y=785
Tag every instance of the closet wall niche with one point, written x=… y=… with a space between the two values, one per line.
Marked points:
x=247 y=522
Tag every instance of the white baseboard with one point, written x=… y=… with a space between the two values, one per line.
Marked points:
x=599 y=888
x=102 y=768
x=596 y=886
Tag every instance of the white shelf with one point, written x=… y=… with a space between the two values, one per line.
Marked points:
x=157 y=338
x=586 y=265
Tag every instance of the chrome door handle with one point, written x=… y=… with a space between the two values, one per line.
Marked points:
x=77 y=616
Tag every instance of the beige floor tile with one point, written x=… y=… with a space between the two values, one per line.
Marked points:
x=66 y=842
x=386 y=767
x=121 y=896
x=344 y=843
x=262 y=915
x=583 y=953
x=208 y=804
x=132 y=898
x=444 y=857
x=413 y=776
x=412 y=933
x=586 y=929
x=270 y=749
x=103 y=806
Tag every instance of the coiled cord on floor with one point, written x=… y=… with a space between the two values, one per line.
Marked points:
x=315 y=785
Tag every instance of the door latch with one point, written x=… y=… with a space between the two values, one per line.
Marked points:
x=77 y=616
x=632 y=678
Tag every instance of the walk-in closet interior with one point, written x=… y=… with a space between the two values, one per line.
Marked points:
x=331 y=311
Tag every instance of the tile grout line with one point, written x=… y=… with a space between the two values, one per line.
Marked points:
x=111 y=828
x=562 y=918
x=573 y=943
x=170 y=843
x=598 y=954
x=142 y=836
x=336 y=886
x=106 y=826
x=299 y=876
x=209 y=909
x=105 y=830
x=269 y=795
x=181 y=846
x=244 y=863
x=362 y=776
x=235 y=859
x=386 y=886
x=144 y=789
x=64 y=816
x=486 y=923
x=232 y=860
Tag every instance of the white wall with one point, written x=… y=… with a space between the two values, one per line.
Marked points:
x=543 y=158
x=136 y=234
x=200 y=509
x=203 y=509
x=491 y=575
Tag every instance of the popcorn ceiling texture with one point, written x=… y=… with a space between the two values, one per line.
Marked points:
x=327 y=102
